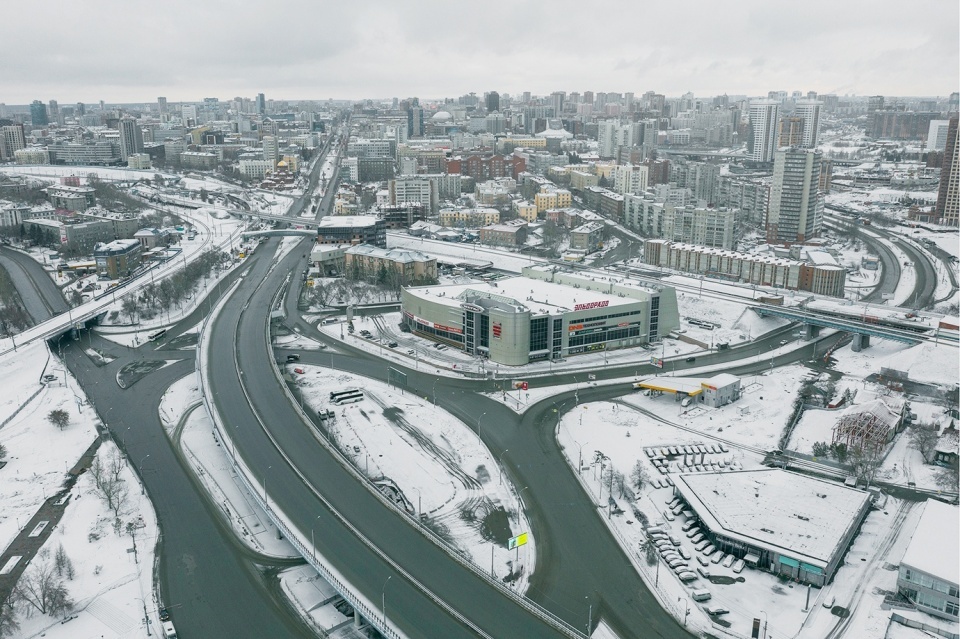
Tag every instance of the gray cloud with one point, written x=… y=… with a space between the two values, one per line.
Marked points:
x=135 y=50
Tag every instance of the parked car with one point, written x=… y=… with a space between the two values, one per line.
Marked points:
x=728 y=561
x=715 y=611
x=738 y=566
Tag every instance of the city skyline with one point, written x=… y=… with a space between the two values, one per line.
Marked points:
x=382 y=50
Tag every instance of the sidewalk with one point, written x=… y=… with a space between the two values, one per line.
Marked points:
x=17 y=556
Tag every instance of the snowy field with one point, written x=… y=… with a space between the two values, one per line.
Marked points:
x=110 y=582
x=437 y=465
x=604 y=434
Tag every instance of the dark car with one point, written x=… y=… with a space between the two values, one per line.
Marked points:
x=691 y=359
x=164 y=614
x=294 y=357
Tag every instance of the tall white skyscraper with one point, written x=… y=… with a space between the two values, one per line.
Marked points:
x=762 y=142
x=795 y=214
x=809 y=111
x=271 y=149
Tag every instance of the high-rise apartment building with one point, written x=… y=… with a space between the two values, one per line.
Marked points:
x=271 y=149
x=948 y=197
x=809 y=111
x=415 y=121
x=38 y=113
x=131 y=138
x=11 y=140
x=162 y=104
x=796 y=204
x=791 y=131
x=53 y=111
x=937 y=135
x=261 y=104
x=762 y=141
x=493 y=102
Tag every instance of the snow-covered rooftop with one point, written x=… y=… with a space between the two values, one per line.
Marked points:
x=933 y=548
x=537 y=296
x=336 y=221
x=795 y=515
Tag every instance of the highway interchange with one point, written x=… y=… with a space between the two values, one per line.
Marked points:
x=218 y=588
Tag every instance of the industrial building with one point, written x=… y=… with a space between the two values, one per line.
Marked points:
x=790 y=524
x=544 y=314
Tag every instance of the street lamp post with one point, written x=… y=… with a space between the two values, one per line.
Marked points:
x=478 y=426
x=686 y=611
x=141 y=473
x=580 y=455
x=505 y=451
x=764 y=613
x=383 y=599
x=312 y=540
x=434 y=392
x=589 y=614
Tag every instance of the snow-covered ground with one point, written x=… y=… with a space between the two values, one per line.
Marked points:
x=442 y=470
x=601 y=434
x=503 y=260
x=112 y=586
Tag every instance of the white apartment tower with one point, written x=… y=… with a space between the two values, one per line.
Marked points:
x=629 y=179
x=271 y=149
x=795 y=214
x=762 y=143
x=809 y=111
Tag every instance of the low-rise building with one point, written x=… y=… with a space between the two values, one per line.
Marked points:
x=469 y=218
x=198 y=160
x=72 y=198
x=117 y=259
x=504 y=234
x=587 y=237
x=397 y=266
x=139 y=161
x=352 y=229
x=929 y=573
x=151 y=238
x=790 y=524
x=254 y=169
x=525 y=210
x=545 y=314
x=32 y=155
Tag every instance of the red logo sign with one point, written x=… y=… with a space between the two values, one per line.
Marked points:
x=589 y=305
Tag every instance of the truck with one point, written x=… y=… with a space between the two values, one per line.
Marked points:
x=168 y=630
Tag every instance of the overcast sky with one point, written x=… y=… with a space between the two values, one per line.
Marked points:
x=134 y=51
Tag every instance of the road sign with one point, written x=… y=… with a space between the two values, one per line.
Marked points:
x=656 y=361
x=591 y=376
x=516 y=542
x=521 y=385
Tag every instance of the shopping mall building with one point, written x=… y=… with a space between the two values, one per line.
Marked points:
x=543 y=314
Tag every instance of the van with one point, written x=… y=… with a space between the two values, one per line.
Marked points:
x=168 y=630
x=686 y=401
x=701 y=595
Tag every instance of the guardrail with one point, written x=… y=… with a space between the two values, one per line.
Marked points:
x=243 y=471
x=530 y=606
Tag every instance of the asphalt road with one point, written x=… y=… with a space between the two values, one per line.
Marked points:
x=242 y=334
x=41 y=297
x=579 y=562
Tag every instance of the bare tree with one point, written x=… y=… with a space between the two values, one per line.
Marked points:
x=866 y=462
x=924 y=438
x=109 y=486
x=63 y=564
x=948 y=478
x=3 y=452
x=8 y=617
x=59 y=418
x=115 y=464
x=41 y=588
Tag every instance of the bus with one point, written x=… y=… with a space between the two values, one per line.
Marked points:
x=346 y=396
x=157 y=335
